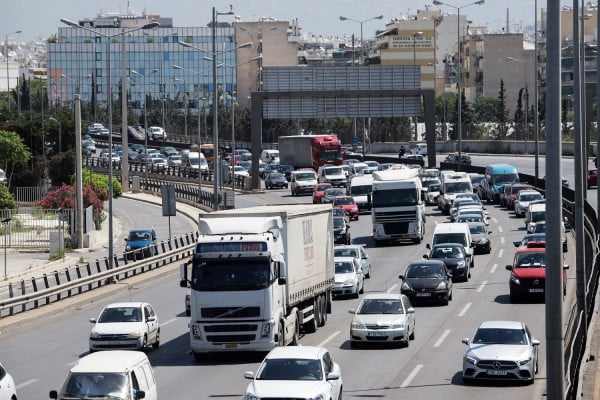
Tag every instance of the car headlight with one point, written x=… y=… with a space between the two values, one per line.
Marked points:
x=483 y=241
x=320 y=396
x=250 y=396
x=406 y=286
x=515 y=280
x=357 y=325
x=441 y=286
x=354 y=209
x=349 y=282
x=470 y=359
x=127 y=248
x=460 y=265
x=94 y=335
x=526 y=361
x=398 y=325
x=134 y=335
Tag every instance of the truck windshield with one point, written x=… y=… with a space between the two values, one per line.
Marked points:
x=226 y=276
x=395 y=198
x=331 y=155
x=334 y=171
x=458 y=187
x=360 y=190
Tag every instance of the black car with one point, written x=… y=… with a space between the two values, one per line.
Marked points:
x=276 y=180
x=341 y=231
x=480 y=235
x=286 y=170
x=331 y=193
x=427 y=280
x=340 y=212
x=530 y=237
x=454 y=257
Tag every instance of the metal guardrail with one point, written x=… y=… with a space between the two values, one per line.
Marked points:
x=28 y=294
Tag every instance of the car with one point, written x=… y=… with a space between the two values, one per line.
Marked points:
x=457 y=261
x=140 y=243
x=528 y=272
x=8 y=391
x=348 y=204
x=238 y=170
x=286 y=169
x=2 y=177
x=382 y=317
x=431 y=190
x=105 y=156
x=349 y=277
x=156 y=133
x=125 y=326
x=530 y=237
x=592 y=178
x=302 y=181
x=480 y=235
x=456 y=203
x=504 y=194
x=471 y=218
x=332 y=193
x=476 y=181
x=452 y=158
x=94 y=127
x=540 y=228
x=523 y=199
x=373 y=164
x=427 y=280
x=474 y=214
x=158 y=163
x=501 y=350
x=275 y=180
x=341 y=230
x=268 y=168
x=357 y=251
x=319 y=192
x=340 y=212
x=296 y=372
x=168 y=150
x=515 y=188
x=174 y=160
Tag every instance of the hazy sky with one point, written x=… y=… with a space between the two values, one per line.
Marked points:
x=36 y=18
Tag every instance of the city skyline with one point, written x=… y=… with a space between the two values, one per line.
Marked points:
x=42 y=19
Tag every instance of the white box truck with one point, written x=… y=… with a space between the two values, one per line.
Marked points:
x=397 y=208
x=259 y=276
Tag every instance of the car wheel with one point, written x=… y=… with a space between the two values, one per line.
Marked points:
x=340 y=395
x=467 y=381
x=144 y=343
x=513 y=298
x=362 y=288
x=412 y=334
x=188 y=312
x=156 y=343
x=368 y=275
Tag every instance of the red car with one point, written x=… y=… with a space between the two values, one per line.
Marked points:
x=348 y=204
x=528 y=272
x=592 y=178
x=319 y=192
x=515 y=188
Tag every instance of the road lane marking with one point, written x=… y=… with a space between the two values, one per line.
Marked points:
x=324 y=342
x=411 y=376
x=391 y=289
x=500 y=229
x=495 y=220
x=442 y=338
x=493 y=268
x=480 y=288
x=168 y=322
x=502 y=239
x=464 y=310
x=500 y=253
x=26 y=383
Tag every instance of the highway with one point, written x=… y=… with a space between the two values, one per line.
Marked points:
x=40 y=354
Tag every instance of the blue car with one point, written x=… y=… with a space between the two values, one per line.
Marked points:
x=140 y=243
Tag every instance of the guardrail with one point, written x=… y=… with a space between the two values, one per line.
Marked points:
x=28 y=294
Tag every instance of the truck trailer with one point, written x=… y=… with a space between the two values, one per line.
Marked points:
x=259 y=277
x=310 y=151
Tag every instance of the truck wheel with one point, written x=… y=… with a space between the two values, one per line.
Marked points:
x=319 y=311
x=296 y=338
x=324 y=308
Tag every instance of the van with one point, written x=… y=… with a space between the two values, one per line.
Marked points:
x=122 y=374
x=496 y=176
x=360 y=189
x=453 y=232
x=333 y=174
x=195 y=160
x=302 y=181
x=270 y=156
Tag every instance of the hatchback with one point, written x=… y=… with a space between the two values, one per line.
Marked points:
x=458 y=262
x=357 y=251
x=275 y=180
x=349 y=278
x=348 y=204
x=427 y=280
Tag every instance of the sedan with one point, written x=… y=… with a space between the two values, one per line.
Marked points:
x=8 y=390
x=276 y=180
x=427 y=280
x=348 y=204
x=174 y=160
x=357 y=251
x=523 y=199
x=349 y=278
x=382 y=317
x=341 y=230
x=298 y=372
x=501 y=350
x=480 y=237
x=456 y=259
x=127 y=326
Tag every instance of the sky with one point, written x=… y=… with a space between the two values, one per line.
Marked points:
x=41 y=18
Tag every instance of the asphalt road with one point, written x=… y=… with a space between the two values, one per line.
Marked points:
x=39 y=355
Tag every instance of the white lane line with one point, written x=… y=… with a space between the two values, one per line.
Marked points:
x=26 y=383
x=392 y=288
x=442 y=338
x=500 y=253
x=324 y=342
x=464 y=310
x=493 y=268
x=411 y=376
x=168 y=322
x=480 y=288
x=495 y=220
x=500 y=229
x=502 y=239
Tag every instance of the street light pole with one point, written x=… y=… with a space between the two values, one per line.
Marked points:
x=414 y=36
x=342 y=18
x=134 y=72
x=7 y=71
x=458 y=73
x=5 y=222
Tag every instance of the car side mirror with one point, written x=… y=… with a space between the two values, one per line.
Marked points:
x=401 y=277
x=53 y=394
x=410 y=310
x=140 y=394
x=333 y=376
x=93 y=320
x=465 y=341
x=509 y=267
x=426 y=256
x=352 y=311
x=249 y=375
x=566 y=266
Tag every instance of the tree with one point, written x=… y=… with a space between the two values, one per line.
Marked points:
x=519 y=115
x=7 y=200
x=64 y=197
x=13 y=153
x=502 y=113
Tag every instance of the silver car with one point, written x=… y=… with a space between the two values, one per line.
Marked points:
x=503 y=350
x=349 y=278
x=357 y=251
x=382 y=317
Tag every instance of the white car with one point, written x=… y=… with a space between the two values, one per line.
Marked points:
x=296 y=372
x=156 y=133
x=349 y=277
x=126 y=326
x=357 y=251
x=383 y=317
x=7 y=386
x=523 y=199
x=503 y=350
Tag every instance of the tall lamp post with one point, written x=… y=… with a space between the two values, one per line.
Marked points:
x=342 y=18
x=458 y=73
x=134 y=72
x=6 y=223
x=414 y=37
x=108 y=38
x=526 y=94
x=7 y=72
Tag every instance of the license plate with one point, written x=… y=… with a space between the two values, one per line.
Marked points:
x=377 y=334
x=497 y=372
x=423 y=294
x=231 y=346
x=536 y=290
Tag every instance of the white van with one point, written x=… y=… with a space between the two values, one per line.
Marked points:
x=302 y=181
x=122 y=374
x=360 y=189
x=195 y=160
x=453 y=232
x=270 y=156
x=333 y=174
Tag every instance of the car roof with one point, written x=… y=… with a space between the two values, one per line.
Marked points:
x=426 y=262
x=305 y=352
x=348 y=246
x=501 y=325
x=109 y=361
x=343 y=258
x=125 y=304
x=447 y=245
x=382 y=296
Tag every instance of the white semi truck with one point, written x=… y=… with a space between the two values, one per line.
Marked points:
x=397 y=209
x=259 y=276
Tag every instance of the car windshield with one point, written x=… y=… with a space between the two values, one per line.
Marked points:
x=335 y=192
x=537 y=216
x=343 y=201
x=305 y=177
x=120 y=314
x=343 y=252
x=94 y=385
x=477 y=228
x=499 y=336
x=139 y=235
x=360 y=190
x=446 y=252
x=458 y=187
x=501 y=179
x=339 y=223
x=539 y=228
x=530 y=197
x=425 y=271
x=470 y=218
x=276 y=175
x=343 y=267
x=289 y=369
x=381 y=306
x=322 y=188
x=531 y=260
x=334 y=171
